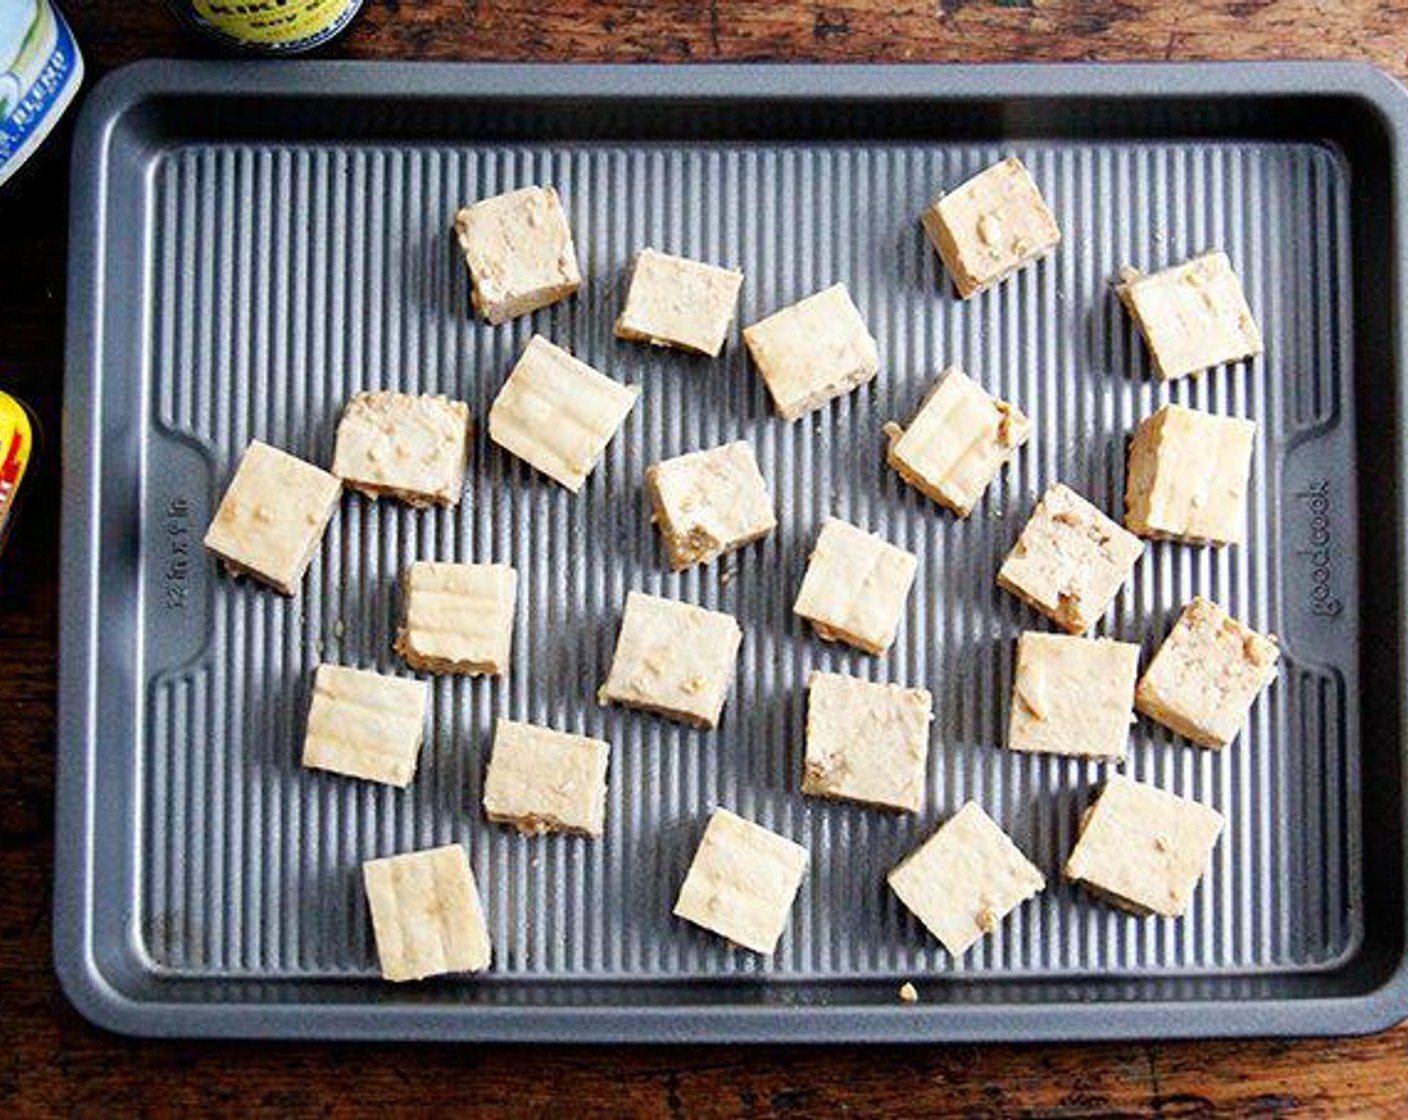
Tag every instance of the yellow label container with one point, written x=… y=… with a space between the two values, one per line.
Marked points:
x=274 y=26
x=16 y=448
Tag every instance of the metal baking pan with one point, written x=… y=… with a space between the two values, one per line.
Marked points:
x=250 y=245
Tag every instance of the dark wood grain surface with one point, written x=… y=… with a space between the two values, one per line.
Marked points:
x=52 y=1062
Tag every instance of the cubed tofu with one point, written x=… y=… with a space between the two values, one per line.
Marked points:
x=272 y=517
x=519 y=250
x=965 y=879
x=855 y=587
x=812 y=352
x=403 y=446
x=742 y=882
x=1142 y=848
x=674 y=659
x=1070 y=561
x=708 y=503
x=1192 y=315
x=866 y=742
x=1188 y=474
x=992 y=225
x=426 y=914
x=458 y=618
x=957 y=442
x=365 y=725
x=558 y=414
x=1072 y=696
x=1207 y=674
x=677 y=302
x=540 y=780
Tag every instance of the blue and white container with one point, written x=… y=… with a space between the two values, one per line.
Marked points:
x=40 y=71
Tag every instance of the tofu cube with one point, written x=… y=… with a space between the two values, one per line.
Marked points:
x=540 y=780
x=994 y=224
x=965 y=879
x=855 y=587
x=1072 y=696
x=866 y=742
x=742 y=882
x=812 y=352
x=708 y=503
x=1207 y=674
x=272 y=517
x=403 y=446
x=1070 y=561
x=365 y=725
x=677 y=302
x=519 y=251
x=674 y=659
x=1143 y=849
x=1192 y=315
x=1188 y=474
x=426 y=914
x=957 y=442
x=558 y=414
x=458 y=618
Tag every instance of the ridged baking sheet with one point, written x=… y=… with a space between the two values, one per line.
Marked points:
x=284 y=278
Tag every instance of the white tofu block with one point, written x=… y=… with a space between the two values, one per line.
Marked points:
x=558 y=414
x=855 y=587
x=673 y=659
x=426 y=914
x=365 y=725
x=708 y=503
x=1072 y=696
x=812 y=352
x=1188 y=474
x=992 y=225
x=677 y=302
x=519 y=250
x=1206 y=675
x=272 y=517
x=1143 y=849
x=742 y=882
x=957 y=442
x=866 y=742
x=540 y=780
x=1070 y=561
x=965 y=879
x=1192 y=315
x=458 y=618
x=403 y=446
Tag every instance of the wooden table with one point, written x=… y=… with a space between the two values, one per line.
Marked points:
x=52 y=1061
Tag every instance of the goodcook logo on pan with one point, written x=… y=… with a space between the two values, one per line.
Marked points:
x=1314 y=499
